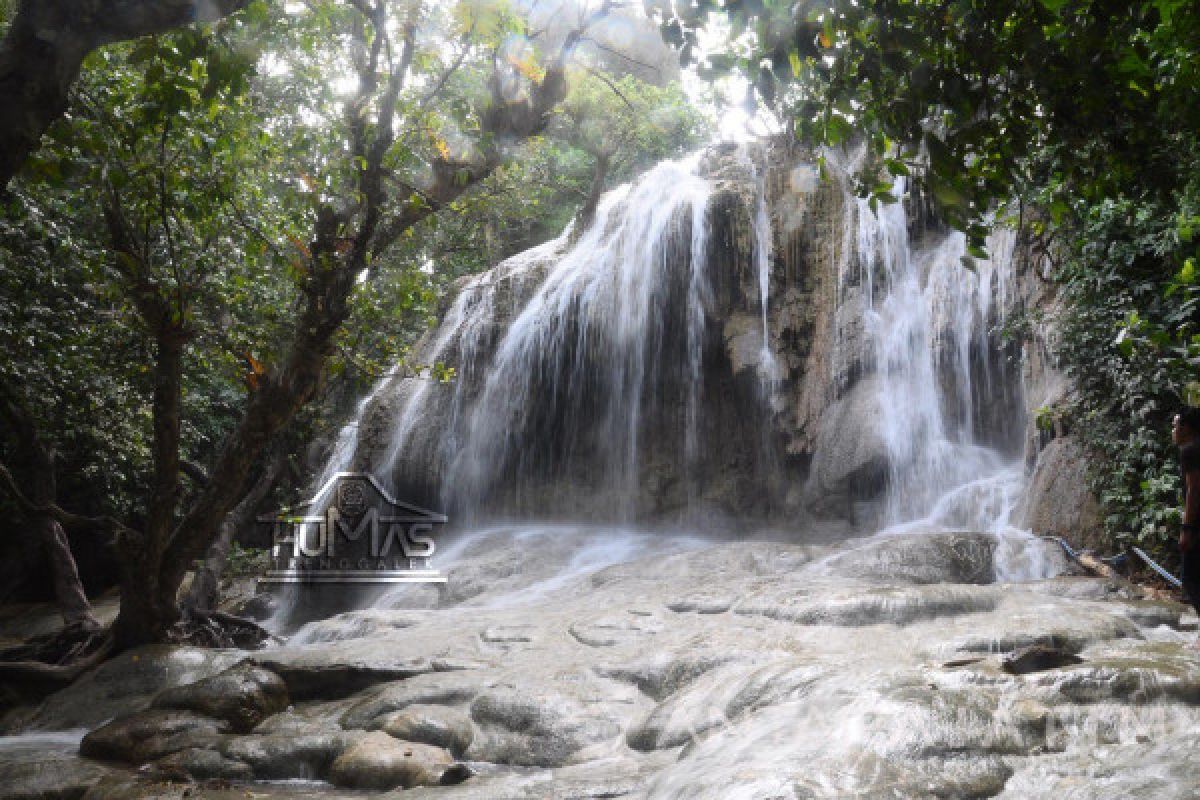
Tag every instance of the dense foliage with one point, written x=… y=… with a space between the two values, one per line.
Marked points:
x=1131 y=343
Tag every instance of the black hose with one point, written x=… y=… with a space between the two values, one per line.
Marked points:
x=1168 y=577
x=1066 y=547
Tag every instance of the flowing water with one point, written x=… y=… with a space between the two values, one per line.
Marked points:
x=589 y=345
x=566 y=355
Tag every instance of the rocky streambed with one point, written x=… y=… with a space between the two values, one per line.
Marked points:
x=575 y=662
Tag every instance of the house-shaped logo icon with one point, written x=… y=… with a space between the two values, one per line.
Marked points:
x=353 y=531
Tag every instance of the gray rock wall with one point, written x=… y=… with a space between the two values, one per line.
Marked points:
x=1057 y=500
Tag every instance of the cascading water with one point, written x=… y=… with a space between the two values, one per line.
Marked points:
x=593 y=342
x=763 y=238
x=594 y=371
x=929 y=326
x=590 y=368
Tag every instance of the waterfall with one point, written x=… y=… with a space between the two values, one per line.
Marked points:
x=948 y=407
x=763 y=236
x=592 y=346
x=644 y=368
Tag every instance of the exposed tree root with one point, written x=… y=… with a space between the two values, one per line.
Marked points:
x=203 y=628
x=45 y=664
x=48 y=663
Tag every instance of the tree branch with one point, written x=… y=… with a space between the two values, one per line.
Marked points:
x=65 y=518
x=194 y=471
x=44 y=48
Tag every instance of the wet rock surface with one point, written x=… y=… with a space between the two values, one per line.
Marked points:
x=700 y=670
x=242 y=696
x=440 y=726
x=46 y=766
x=147 y=735
x=1038 y=658
x=124 y=684
x=379 y=761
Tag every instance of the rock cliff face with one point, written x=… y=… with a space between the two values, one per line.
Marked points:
x=1057 y=499
x=735 y=337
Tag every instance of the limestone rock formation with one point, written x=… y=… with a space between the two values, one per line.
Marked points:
x=148 y=735
x=1058 y=500
x=735 y=338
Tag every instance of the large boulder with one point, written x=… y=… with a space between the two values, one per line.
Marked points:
x=243 y=696
x=39 y=772
x=314 y=673
x=127 y=682
x=379 y=761
x=440 y=726
x=1058 y=500
x=149 y=735
x=289 y=756
x=851 y=458
x=203 y=765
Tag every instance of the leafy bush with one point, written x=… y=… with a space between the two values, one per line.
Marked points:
x=1131 y=343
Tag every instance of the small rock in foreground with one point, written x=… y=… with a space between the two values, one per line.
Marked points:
x=1038 y=658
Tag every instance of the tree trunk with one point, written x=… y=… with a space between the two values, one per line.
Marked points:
x=587 y=213
x=206 y=581
x=38 y=460
x=154 y=606
x=44 y=48
x=345 y=242
x=68 y=590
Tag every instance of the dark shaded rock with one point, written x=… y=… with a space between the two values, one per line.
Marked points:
x=314 y=679
x=259 y=607
x=149 y=735
x=378 y=761
x=1039 y=658
x=961 y=662
x=243 y=696
x=440 y=726
x=52 y=776
x=279 y=757
x=203 y=765
x=455 y=774
x=126 y=683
